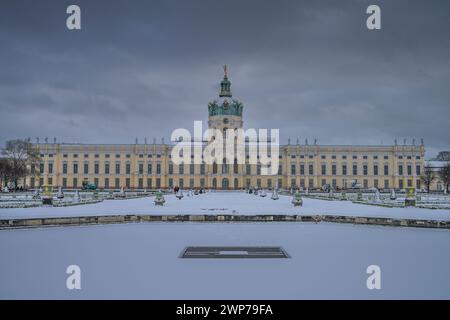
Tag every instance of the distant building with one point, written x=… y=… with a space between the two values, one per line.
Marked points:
x=149 y=166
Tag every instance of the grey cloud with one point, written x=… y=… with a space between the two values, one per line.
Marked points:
x=144 y=68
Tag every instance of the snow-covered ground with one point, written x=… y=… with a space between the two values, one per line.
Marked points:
x=225 y=203
x=141 y=261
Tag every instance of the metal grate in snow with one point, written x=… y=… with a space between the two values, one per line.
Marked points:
x=234 y=253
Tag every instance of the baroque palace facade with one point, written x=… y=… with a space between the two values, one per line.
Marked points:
x=149 y=165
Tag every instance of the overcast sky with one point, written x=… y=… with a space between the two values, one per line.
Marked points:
x=144 y=68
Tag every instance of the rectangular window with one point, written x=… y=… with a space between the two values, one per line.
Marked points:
x=50 y=168
x=302 y=169
x=280 y=169
x=386 y=184
x=386 y=170
x=248 y=169
x=400 y=184
x=170 y=168
x=375 y=183
x=334 y=183
x=158 y=169
x=258 y=169
x=41 y=167
x=64 y=182
x=50 y=181
x=409 y=168
x=117 y=167
x=355 y=170
x=366 y=183
x=181 y=183
x=141 y=168
x=128 y=168
x=149 y=168
x=181 y=169
x=96 y=168
x=141 y=183
x=375 y=170
x=224 y=168
x=96 y=181
x=127 y=183
x=418 y=170
x=149 y=183
x=202 y=182
x=202 y=168
x=86 y=168
x=344 y=170
x=333 y=169
x=75 y=168
x=311 y=183
x=106 y=183
x=365 y=170
x=400 y=169
x=191 y=183
x=292 y=169
x=75 y=183
x=117 y=183
x=106 y=168
x=191 y=169
x=158 y=182
x=324 y=169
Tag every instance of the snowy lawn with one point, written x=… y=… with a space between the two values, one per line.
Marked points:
x=225 y=203
x=141 y=261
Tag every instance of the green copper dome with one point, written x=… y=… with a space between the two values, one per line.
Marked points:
x=225 y=105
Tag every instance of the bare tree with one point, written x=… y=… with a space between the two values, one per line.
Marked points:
x=19 y=153
x=444 y=174
x=427 y=177
x=5 y=171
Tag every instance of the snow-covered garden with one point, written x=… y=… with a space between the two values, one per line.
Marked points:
x=142 y=261
x=228 y=203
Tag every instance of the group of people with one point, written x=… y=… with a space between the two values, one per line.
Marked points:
x=6 y=189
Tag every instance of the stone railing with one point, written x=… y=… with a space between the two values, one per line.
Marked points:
x=95 y=220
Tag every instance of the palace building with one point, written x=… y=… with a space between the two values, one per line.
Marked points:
x=149 y=166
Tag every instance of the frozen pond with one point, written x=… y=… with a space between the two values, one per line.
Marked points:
x=226 y=203
x=141 y=261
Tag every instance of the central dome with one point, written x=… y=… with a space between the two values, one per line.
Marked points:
x=225 y=104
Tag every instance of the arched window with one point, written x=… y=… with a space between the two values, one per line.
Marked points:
x=225 y=183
